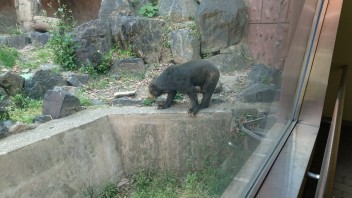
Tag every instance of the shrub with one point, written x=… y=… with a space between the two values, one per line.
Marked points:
x=149 y=10
x=8 y=56
x=62 y=42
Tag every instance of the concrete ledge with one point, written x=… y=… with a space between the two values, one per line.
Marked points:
x=63 y=157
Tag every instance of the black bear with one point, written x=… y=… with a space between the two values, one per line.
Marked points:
x=184 y=78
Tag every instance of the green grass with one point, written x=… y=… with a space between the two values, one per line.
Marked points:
x=8 y=56
x=24 y=109
x=208 y=183
x=38 y=57
x=148 y=102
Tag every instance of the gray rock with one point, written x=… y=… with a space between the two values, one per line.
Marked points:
x=185 y=46
x=129 y=65
x=125 y=101
x=18 y=41
x=41 y=82
x=42 y=118
x=229 y=63
x=76 y=79
x=221 y=23
x=3 y=130
x=178 y=10
x=143 y=35
x=3 y=94
x=69 y=89
x=12 y=83
x=260 y=93
x=261 y=74
x=93 y=40
x=59 y=104
x=39 y=38
x=112 y=8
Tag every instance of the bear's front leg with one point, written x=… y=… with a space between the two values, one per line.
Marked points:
x=170 y=97
x=194 y=102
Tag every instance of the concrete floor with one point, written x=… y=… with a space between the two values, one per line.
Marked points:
x=343 y=177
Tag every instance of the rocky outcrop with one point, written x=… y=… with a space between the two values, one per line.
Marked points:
x=143 y=35
x=42 y=81
x=221 y=23
x=185 y=45
x=12 y=83
x=111 y=8
x=229 y=63
x=59 y=104
x=93 y=41
x=259 y=92
x=130 y=65
x=178 y=10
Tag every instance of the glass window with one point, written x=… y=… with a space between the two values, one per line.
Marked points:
x=261 y=49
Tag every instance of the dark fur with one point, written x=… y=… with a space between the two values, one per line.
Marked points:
x=184 y=78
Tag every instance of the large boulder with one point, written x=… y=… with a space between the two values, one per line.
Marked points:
x=178 y=10
x=93 y=40
x=145 y=36
x=42 y=81
x=76 y=79
x=262 y=74
x=221 y=23
x=130 y=65
x=59 y=104
x=259 y=92
x=229 y=63
x=18 y=41
x=185 y=45
x=12 y=83
x=112 y=8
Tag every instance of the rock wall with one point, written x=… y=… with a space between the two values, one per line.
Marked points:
x=83 y=10
x=8 y=16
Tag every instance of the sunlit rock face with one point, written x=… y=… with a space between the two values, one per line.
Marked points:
x=82 y=10
x=8 y=16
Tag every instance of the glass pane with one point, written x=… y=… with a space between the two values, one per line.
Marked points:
x=280 y=38
x=259 y=47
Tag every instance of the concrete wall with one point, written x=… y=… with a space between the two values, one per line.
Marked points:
x=271 y=26
x=92 y=148
x=171 y=141
x=63 y=164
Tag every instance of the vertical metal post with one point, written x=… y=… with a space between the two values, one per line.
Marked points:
x=327 y=172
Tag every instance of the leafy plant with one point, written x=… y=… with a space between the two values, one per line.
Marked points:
x=148 y=102
x=8 y=56
x=109 y=191
x=62 y=42
x=128 y=53
x=179 y=96
x=105 y=65
x=149 y=10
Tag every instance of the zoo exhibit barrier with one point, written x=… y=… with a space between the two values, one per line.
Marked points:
x=327 y=172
